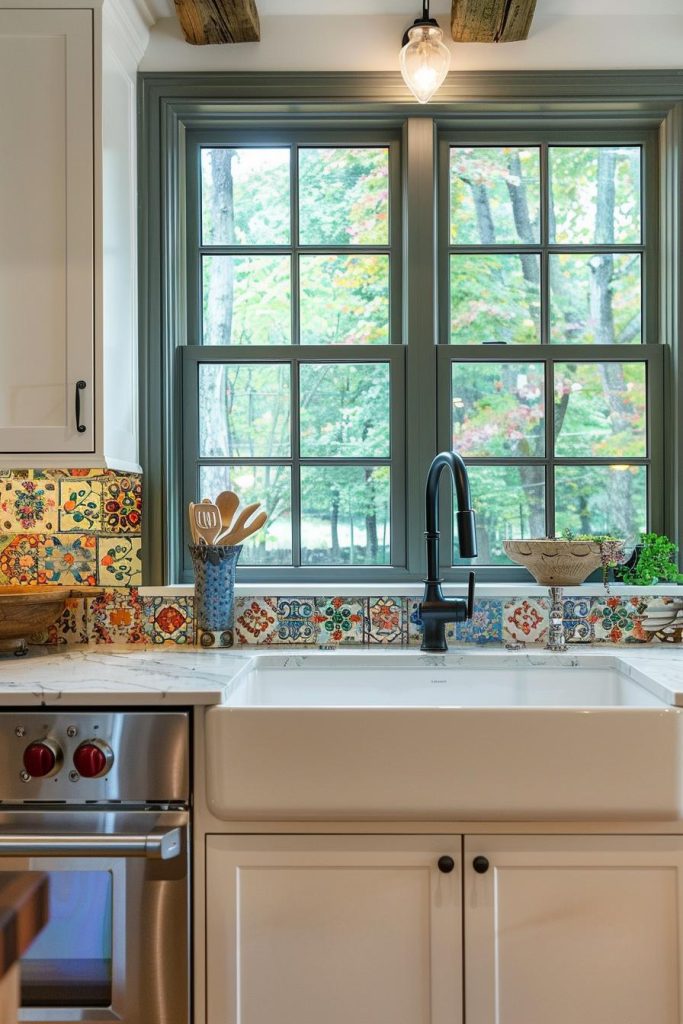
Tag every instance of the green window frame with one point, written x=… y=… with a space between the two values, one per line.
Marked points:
x=178 y=110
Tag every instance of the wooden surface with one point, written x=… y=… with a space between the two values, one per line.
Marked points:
x=23 y=913
x=491 y=21
x=218 y=21
x=10 y=996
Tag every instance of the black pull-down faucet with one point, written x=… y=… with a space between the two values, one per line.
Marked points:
x=436 y=610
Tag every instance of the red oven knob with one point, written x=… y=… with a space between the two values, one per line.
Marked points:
x=42 y=758
x=93 y=759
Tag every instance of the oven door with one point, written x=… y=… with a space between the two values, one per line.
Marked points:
x=116 y=946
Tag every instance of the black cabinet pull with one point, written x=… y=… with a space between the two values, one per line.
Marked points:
x=445 y=864
x=480 y=865
x=80 y=385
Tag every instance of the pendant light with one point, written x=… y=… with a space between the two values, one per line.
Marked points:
x=424 y=58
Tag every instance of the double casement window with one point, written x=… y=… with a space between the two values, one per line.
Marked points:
x=309 y=370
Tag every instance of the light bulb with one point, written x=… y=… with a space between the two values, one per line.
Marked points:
x=425 y=60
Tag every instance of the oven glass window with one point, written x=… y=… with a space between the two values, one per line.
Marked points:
x=69 y=964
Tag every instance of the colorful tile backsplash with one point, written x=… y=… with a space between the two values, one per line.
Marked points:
x=83 y=527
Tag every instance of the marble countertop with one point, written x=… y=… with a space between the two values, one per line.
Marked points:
x=191 y=676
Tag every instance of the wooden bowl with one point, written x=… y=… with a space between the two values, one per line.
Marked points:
x=25 y=610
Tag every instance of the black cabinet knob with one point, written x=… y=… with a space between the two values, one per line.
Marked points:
x=480 y=865
x=445 y=864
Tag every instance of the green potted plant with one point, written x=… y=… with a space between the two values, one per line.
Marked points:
x=655 y=562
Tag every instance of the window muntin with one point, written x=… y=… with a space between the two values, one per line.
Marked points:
x=546 y=258
x=293 y=395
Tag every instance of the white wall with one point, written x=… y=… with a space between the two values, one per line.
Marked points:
x=565 y=34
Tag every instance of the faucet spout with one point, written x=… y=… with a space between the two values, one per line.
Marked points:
x=436 y=611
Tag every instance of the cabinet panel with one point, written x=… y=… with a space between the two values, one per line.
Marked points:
x=46 y=236
x=569 y=929
x=338 y=929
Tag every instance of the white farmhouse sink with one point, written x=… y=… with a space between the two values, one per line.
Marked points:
x=433 y=737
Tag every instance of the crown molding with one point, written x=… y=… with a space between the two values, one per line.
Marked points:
x=133 y=20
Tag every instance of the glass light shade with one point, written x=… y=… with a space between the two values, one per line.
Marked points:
x=425 y=60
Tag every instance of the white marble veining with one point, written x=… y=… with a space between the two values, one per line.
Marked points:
x=118 y=675
x=192 y=676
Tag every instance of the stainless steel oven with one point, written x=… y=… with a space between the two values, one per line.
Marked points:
x=101 y=803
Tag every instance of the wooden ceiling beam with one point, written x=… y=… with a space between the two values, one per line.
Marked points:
x=218 y=21
x=491 y=21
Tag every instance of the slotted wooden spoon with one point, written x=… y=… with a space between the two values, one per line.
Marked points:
x=207 y=522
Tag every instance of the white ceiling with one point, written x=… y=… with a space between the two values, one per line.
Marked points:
x=411 y=8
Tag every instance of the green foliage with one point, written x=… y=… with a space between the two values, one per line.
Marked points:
x=656 y=562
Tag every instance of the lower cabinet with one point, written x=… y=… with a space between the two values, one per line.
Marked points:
x=369 y=929
x=334 y=930
x=573 y=929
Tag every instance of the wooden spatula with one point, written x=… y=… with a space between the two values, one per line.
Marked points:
x=207 y=522
x=227 y=503
x=240 y=533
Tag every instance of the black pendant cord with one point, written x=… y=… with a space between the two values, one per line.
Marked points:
x=423 y=20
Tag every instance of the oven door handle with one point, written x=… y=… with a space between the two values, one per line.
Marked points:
x=159 y=844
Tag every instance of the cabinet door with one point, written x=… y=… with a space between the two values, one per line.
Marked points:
x=573 y=930
x=46 y=235
x=333 y=930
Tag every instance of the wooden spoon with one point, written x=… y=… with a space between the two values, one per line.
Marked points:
x=207 y=522
x=193 y=528
x=227 y=503
x=240 y=533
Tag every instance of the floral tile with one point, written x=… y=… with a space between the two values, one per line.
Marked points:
x=525 y=620
x=19 y=557
x=59 y=474
x=28 y=506
x=485 y=626
x=255 y=620
x=618 y=620
x=339 y=620
x=119 y=561
x=80 y=505
x=296 y=621
x=385 y=621
x=122 y=504
x=579 y=627
x=70 y=628
x=66 y=558
x=115 y=617
x=166 y=620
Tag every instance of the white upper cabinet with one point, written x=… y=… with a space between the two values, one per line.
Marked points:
x=68 y=325
x=333 y=930
x=569 y=929
x=46 y=240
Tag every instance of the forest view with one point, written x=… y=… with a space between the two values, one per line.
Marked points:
x=296 y=251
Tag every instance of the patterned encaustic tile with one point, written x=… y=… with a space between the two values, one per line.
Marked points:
x=28 y=506
x=619 y=620
x=19 y=558
x=68 y=558
x=80 y=505
x=255 y=620
x=168 y=620
x=70 y=628
x=122 y=505
x=339 y=620
x=579 y=627
x=525 y=620
x=119 y=561
x=485 y=626
x=386 y=621
x=115 y=617
x=296 y=621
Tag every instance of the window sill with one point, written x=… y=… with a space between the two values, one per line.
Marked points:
x=490 y=590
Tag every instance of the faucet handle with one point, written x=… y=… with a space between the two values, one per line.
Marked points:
x=470 y=595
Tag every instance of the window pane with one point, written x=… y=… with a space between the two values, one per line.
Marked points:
x=495 y=297
x=345 y=410
x=498 y=409
x=600 y=409
x=495 y=195
x=344 y=300
x=344 y=196
x=595 y=298
x=244 y=410
x=509 y=501
x=345 y=515
x=245 y=196
x=247 y=300
x=272 y=486
x=595 y=195
x=601 y=499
